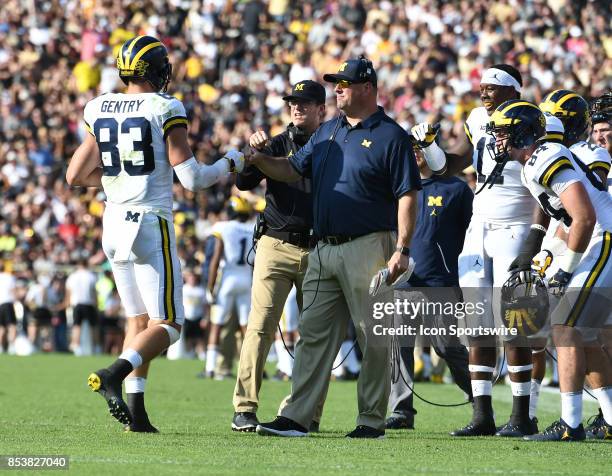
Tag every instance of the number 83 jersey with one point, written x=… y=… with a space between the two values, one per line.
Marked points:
x=550 y=170
x=131 y=130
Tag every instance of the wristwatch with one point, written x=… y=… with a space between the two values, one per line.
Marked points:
x=403 y=250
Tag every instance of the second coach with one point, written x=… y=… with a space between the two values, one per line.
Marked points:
x=282 y=251
x=364 y=178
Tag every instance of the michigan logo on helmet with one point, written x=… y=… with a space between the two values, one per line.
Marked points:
x=524 y=303
x=238 y=207
x=521 y=122
x=144 y=58
x=573 y=111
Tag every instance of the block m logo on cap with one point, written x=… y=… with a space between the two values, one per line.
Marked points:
x=299 y=87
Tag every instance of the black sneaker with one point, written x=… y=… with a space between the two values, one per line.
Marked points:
x=245 y=422
x=399 y=423
x=363 y=431
x=559 y=431
x=314 y=427
x=281 y=426
x=110 y=390
x=144 y=427
x=486 y=428
x=597 y=428
x=511 y=430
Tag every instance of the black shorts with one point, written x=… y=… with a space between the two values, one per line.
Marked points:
x=192 y=329
x=41 y=316
x=7 y=314
x=111 y=323
x=84 y=312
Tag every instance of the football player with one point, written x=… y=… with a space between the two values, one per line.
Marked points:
x=232 y=244
x=573 y=111
x=569 y=191
x=501 y=220
x=601 y=118
x=136 y=140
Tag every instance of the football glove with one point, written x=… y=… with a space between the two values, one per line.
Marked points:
x=541 y=262
x=424 y=134
x=236 y=161
x=557 y=285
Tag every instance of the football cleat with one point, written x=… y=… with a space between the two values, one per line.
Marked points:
x=140 y=428
x=559 y=431
x=597 y=428
x=399 y=423
x=281 y=426
x=363 y=431
x=110 y=390
x=511 y=430
x=245 y=422
x=486 y=428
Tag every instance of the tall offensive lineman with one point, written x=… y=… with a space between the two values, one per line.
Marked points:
x=136 y=140
x=500 y=223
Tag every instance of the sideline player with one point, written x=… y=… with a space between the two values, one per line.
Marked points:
x=569 y=191
x=136 y=141
x=573 y=111
x=232 y=244
x=501 y=221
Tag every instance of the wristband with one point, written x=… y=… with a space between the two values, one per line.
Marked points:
x=404 y=250
x=569 y=261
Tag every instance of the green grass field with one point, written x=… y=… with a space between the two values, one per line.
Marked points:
x=46 y=408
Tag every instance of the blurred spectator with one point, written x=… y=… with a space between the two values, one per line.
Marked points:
x=82 y=299
x=8 y=320
x=233 y=61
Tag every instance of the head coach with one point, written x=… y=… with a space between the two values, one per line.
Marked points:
x=282 y=249
x=364 y=182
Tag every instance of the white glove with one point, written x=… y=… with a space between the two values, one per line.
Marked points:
x=541 y=262
x=424 y=134
x=236 y=160
x=424 y=139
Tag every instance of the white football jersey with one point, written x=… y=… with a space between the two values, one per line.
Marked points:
x=508 y=201
x=131 y=130
x=237 y=238
x=540 y=171
x=596 y=158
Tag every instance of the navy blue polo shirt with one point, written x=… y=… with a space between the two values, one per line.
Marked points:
x=443 y=216
x=358 y=174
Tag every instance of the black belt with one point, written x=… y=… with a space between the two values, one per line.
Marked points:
x=303 y=240
x=499 y=180
x=339 y=239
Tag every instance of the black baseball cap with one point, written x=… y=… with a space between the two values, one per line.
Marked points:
x=307 y=90
x=358 y=70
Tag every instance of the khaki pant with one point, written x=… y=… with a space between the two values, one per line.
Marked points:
x=338 y=280
x=278 y=265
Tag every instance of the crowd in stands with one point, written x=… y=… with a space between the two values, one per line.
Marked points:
x=233 y=61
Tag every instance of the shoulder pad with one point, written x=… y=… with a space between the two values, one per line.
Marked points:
x=547 y=160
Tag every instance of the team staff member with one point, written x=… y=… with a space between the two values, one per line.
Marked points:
x=364 y=180
x=282 y=251
x=444 y=213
